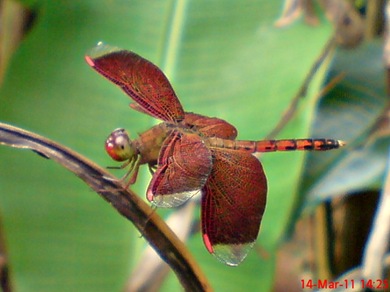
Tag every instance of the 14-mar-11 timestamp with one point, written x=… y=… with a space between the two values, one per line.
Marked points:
x=346 y=284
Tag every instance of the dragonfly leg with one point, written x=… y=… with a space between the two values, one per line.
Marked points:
x=134 y=175
x=152 y=168
x=133 y=171
x=133 y=164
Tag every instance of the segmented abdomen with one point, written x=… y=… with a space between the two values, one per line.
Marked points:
x=277 y=145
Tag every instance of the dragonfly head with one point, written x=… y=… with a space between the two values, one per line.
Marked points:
x=119 y=146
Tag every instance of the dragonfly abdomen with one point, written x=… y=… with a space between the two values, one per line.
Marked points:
x=297 y=144
x=277 y=145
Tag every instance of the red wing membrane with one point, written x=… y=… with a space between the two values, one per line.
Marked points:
x=233 y=204
x=184 y=165
x=143 y=81
x=211 y=127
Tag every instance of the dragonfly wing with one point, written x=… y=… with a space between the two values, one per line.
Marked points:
x=233 y=204
x=143 y=81
x=211 y=127
x=183 y=167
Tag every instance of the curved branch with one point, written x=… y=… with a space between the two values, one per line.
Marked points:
x=126 y=202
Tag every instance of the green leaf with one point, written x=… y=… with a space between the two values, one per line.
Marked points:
x=223 y=58
x=350 y=111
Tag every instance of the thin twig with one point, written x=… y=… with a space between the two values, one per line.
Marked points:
x=126 y=202
x=151 y=271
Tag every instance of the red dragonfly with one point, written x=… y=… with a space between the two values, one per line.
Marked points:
x=193 y=154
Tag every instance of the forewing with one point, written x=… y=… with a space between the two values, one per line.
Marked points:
x=143 y=81
x=184 y=165
x=233 y=204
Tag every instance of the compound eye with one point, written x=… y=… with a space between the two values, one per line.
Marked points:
x=119 y=146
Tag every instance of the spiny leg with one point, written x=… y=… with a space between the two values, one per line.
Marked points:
x=132 y=173
x=133 y=164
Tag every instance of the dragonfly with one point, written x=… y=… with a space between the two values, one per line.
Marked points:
x=191 y=154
